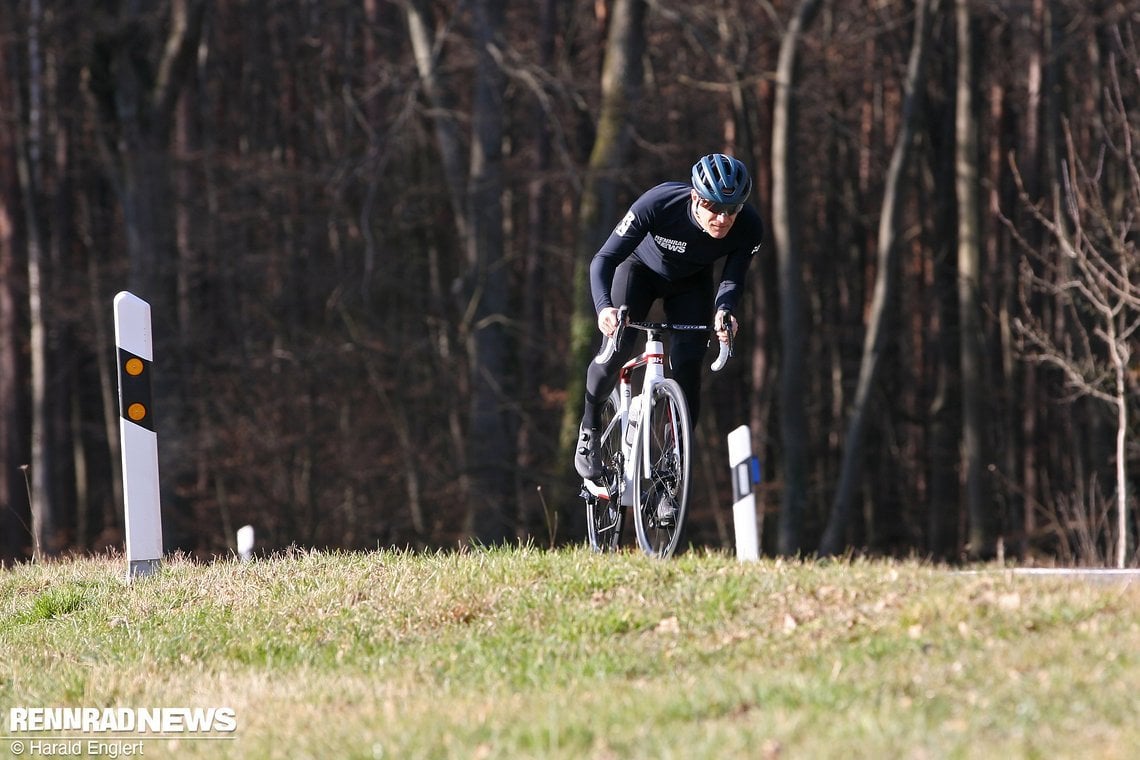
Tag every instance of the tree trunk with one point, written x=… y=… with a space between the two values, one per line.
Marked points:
x=942 y=541
x=835 y=535
x=29 y=164
x=489 y=449
x=446 y=128
x=534 y=292
x=425 y=47
x=785 y=228
x=621 y=85
x=971 y=345
x=1119 y=552
x=144 y=64
x=14 y=511
x=113 y=517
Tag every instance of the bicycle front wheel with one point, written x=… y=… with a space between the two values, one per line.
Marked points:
x=605 y=514
x=661 y=474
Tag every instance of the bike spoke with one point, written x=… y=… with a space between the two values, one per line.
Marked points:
x=604 y=514
x=663 y=487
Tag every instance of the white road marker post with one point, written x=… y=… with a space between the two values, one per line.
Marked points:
x=745 y=474
x=141 y=508
x=245 y=543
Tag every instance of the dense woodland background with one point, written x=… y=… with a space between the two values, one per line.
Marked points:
x=363 y=228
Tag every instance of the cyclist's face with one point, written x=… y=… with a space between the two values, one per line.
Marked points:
x=715 y=223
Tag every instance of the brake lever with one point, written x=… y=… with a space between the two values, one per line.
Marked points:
x=615 y=339
x=726 y=349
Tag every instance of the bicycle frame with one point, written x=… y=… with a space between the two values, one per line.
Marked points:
x=652 y=358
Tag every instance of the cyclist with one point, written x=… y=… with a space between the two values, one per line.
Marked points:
x=665 y=247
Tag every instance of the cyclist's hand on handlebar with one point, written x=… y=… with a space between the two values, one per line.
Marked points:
x=722 y=330
x=608 y=321
x=611 y=322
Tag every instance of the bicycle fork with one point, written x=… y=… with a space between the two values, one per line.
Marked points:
x=637 y=410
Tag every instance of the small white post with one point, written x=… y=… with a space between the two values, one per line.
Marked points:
x=245 y=542
x=143 y=518
x=745 y=472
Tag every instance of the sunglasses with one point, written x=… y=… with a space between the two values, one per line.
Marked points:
x=728 y=209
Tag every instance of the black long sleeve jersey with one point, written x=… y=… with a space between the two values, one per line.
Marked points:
x=660 y=231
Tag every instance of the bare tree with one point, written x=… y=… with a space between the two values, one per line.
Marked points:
x=785 y=226
x=621 y=85
x=490 y=446
x=535 y=283
x=834 y=537
x=971 y=346
x=137 y=70
x=13 y=495
x=427 y=46
x=29 y=163
x=1097 y=284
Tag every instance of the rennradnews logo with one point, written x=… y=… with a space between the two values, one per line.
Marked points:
x=156 y=721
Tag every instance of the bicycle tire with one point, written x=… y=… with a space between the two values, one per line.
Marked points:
x=661 y=494
x=605 y=517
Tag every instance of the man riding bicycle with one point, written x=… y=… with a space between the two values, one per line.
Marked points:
x=665 y=247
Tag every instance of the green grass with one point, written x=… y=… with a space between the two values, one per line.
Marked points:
x=531 y=653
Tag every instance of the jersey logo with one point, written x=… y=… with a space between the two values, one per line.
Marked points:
x=676 y=246
x=624 y=224
x=756 y=250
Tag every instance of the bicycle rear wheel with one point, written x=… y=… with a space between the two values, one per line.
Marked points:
x=605 y=516
x=661 y=492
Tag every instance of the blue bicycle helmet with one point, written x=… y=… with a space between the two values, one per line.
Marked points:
x=721 y=179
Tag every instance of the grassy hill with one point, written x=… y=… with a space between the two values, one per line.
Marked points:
x=531 y=653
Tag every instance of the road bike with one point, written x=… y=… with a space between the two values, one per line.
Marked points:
x=645 y=441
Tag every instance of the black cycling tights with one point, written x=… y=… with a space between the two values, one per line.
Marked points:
x=687 y=301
